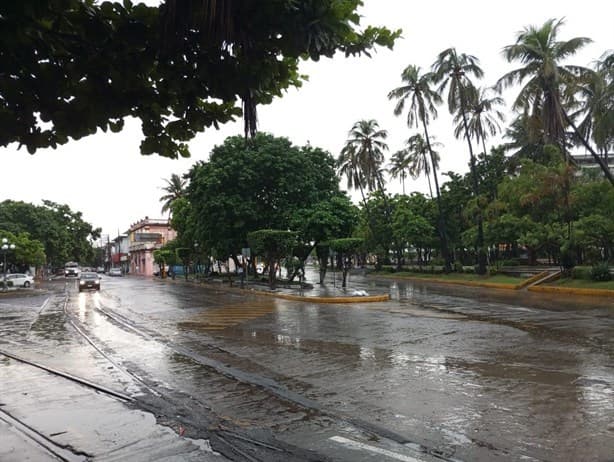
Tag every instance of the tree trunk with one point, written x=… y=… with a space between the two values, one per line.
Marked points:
x=476 y=191
x=441 y=222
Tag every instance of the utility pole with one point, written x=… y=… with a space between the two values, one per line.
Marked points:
x=119 y=250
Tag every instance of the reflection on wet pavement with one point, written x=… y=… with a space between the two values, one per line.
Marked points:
x=471 y=374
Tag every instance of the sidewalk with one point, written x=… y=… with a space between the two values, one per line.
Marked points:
x=47 y=416
x=358 y=289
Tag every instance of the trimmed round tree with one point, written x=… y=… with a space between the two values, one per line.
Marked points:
x=272 y=244
x=346 y=247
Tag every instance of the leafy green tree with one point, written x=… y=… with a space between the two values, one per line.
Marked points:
x=454 y=71
x=346 y=248
x=411 y=229
x=375 y=228
x=541 y=194
x=273 y=245
x=455 y=194
x=163 y=257
x=595 y=234
x=548 y=85
x=257 y=184
x=28 y=252
x=174 y=189
x=322 y=221
x=179 y=67
x=594 y=202
x=505 y=230
x=63 y=233
x=492 y=169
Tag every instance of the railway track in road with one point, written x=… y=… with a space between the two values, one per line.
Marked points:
x=280 y=393
x=229 y=441
x=73 y=378
x=41 y=441
x=227 y=436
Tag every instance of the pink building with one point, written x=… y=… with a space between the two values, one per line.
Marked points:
x=144 y=237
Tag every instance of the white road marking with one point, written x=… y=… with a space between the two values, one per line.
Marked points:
x=362 y=446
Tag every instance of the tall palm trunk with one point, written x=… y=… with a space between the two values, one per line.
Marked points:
x=443 y=240
x=476 y=191
x=427 y=173
x=483 y=138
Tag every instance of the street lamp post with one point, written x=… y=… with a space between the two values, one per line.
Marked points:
x=6 y=246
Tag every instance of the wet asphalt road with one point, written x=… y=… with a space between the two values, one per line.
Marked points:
x=437 y=373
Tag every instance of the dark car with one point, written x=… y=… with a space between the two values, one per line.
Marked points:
x=89 y=281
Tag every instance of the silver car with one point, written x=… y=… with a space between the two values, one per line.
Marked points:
x=20 y=279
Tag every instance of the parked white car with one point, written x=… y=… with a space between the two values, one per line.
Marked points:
x=20 y=279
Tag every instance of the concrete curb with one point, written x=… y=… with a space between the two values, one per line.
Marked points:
x=491 y=285
x=572 y=291
x=299 y=298
x=533 y=279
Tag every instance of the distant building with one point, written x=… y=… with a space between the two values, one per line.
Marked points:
x=120 y=250
x=144 y=237
x=587 y=161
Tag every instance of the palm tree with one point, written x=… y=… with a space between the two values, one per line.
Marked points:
x=484 y=117
x=399 y=166
x=363 y=155
x=598 y=108
x=361 y=161
x=423 y=99
x=348 y=165
x=550 y=86
x=453 y=70
x=413 y=160
x=175 y=188
x=526 y=140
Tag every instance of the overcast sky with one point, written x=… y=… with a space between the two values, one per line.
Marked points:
x=105 y=177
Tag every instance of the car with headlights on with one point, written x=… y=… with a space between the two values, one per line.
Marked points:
x=88 y=281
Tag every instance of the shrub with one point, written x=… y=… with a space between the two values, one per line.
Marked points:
x=458 y=267
x=581 y=272
x=601 y=272
x=512 y=262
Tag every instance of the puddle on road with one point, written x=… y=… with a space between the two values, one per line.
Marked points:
x=425 y=312
x=228 y=316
